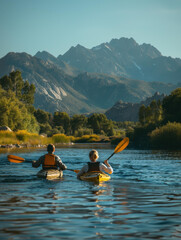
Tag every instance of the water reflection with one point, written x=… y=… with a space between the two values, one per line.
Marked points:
x=141 y=201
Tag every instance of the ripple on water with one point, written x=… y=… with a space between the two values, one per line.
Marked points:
x=141 y=201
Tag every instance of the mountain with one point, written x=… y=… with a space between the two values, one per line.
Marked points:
x=126 y=58
x=53 y=85
x=76 y=93
x=126 y=111
x=47 y=57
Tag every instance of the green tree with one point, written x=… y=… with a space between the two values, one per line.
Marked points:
x=42 y=116
x=142 y=116
x=78 y=122
x=172 y=106
x=99 y=123
x=62 y=119
x=23 y=90
x=14 y=113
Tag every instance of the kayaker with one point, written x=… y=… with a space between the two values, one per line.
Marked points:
x=50 y=160
x=93 y=165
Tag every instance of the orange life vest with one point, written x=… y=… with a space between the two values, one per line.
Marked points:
x=49 y=162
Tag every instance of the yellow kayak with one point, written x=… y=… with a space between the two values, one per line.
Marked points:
x=50 y=174
x=95 y=177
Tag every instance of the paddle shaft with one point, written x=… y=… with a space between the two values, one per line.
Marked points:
x=111 y=156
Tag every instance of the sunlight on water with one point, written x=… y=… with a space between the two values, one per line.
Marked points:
x=141 y=201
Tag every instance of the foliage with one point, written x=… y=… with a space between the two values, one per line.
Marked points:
x=14 y=113
x=99 y=122
x=88 y=139
x=62 y=119
x=167 y=136
x=78 y=122
x=42 y=116
x=21 y=136
x=151 y=113
x=60 y=138
x=172 y=106
x=83 y=131
x=23 y=90
x=140 y=135
x=7 y=137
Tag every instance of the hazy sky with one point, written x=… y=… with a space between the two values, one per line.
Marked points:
x=56 y=25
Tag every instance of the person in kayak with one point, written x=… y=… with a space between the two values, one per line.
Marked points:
x=93 y=165
x=49 y=160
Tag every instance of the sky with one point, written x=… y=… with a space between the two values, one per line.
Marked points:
x=56 y=25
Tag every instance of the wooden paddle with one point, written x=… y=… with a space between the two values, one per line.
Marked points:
x=120 y=147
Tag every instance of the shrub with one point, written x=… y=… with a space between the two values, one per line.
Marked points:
x=7 y=137
x=88 y=139
x=83 y=131
x=167 y=136
x=60 y=138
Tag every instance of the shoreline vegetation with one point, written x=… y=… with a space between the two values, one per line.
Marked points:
x=24 y=139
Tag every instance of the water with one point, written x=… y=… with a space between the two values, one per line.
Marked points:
x=141 y=201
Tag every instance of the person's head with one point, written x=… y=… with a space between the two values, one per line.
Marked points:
x=93 y=155
x=50 y=148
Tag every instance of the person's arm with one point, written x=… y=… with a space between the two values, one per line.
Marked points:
x=37 y=163
x=106 y=167
x=60 y=164
x=82 y=171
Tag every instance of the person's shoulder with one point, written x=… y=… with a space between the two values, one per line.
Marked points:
x=42 y=157
x=57 y=157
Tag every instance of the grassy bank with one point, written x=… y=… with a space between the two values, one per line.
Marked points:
x=31 y=139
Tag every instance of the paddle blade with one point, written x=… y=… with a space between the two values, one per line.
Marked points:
x=15 y=159
x=76 y=171
x=122 y=145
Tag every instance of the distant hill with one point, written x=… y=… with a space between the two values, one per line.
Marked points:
x=126 y=111
x=126 y=58
x=61 y=87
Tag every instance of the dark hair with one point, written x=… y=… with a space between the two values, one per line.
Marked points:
x=50 y=148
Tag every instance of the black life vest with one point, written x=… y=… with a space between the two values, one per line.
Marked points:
x=49 y=162
x=93 y=167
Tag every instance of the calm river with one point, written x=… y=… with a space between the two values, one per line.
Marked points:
x=141 y=201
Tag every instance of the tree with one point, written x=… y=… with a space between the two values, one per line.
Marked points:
x=150 y=114
x=142 y=117
x=14 y=113
x=78 y=122
x=42 y=116
x=99 y=123
x=23 y=90
x=62 y=119
x=172 y=106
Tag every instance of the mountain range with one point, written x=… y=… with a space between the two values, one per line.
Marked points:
x=93 y=80
x=126 y=58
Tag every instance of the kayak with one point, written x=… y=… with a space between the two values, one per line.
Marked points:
x=50 y=174
x=95 y=177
